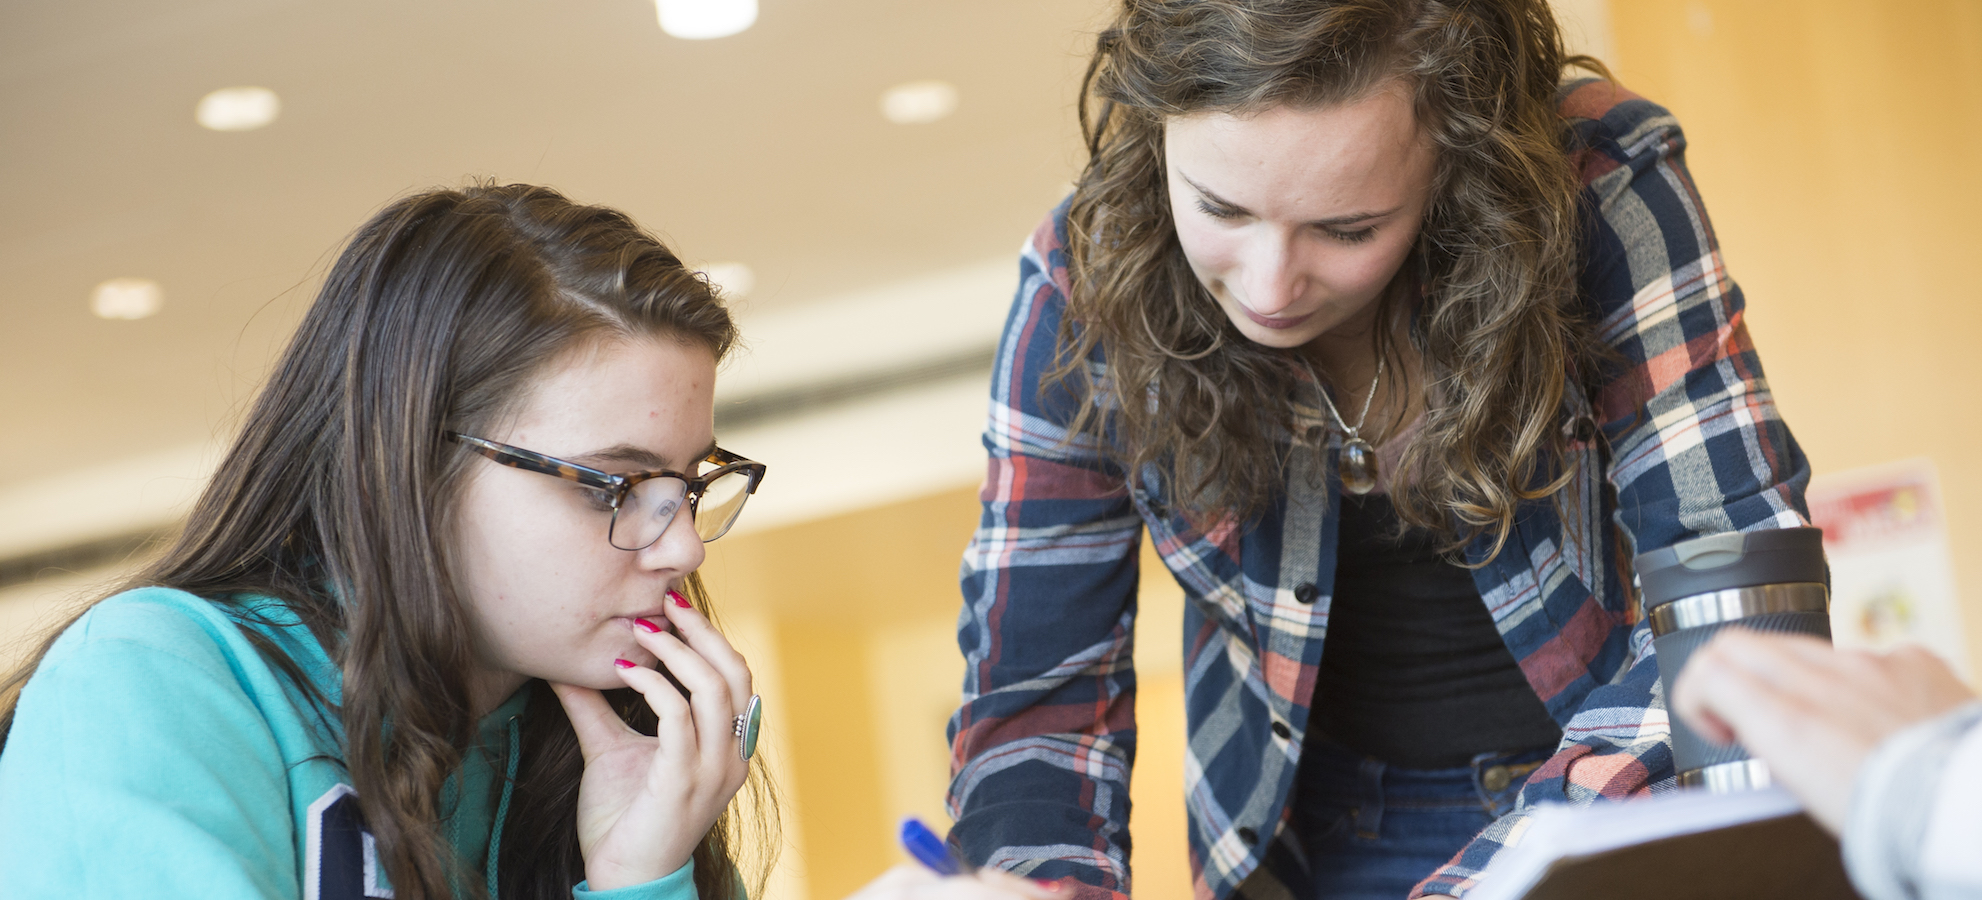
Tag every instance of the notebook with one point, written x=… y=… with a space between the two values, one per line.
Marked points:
x=1684 y=845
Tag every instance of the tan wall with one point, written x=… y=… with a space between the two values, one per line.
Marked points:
x=864 y=609
x=1835 y=144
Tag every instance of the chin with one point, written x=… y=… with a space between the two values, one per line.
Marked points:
x=601 y=676
x=607 y=680
x=1279 y=340
x=608 y=683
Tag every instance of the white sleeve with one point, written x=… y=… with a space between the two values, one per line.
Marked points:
x=1954 y=829
x=1915 y=823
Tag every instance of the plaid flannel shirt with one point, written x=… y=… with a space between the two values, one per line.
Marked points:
x=1681 y=439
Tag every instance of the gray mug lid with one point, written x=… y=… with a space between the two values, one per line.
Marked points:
x=1732 y=560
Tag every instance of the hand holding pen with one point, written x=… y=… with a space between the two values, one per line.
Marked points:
x=945 y=875
x=931 y=850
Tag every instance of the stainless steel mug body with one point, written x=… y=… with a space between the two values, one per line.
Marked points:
x=1772 y=581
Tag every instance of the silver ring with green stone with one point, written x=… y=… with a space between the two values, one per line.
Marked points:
x=747 y=727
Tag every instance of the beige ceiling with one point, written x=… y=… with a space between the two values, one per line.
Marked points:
x=766 y=148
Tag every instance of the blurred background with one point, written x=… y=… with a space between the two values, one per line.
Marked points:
x=859 y=176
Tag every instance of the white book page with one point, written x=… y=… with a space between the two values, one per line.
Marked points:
x=1558 y=832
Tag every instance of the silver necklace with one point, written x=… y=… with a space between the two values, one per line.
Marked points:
x=1358 y=457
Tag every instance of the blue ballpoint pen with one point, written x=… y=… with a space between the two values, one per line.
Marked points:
x=932 y=851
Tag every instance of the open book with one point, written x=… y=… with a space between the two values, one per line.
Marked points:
x=1686 y=845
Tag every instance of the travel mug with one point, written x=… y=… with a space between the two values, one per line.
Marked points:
x=1765 y=580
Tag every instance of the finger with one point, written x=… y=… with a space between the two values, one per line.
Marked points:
x=709 y=695
x=905 y=882
x=696 y=630
x=1701 y=692
x=591 y=717
x=1711 y=726
x=904 y=875
x=692 y=669
x=676 y=729
x=1689 y=700
x=1818 y=668
x=1719 y=690
x=899 y=883
x=1925 y=678
x=1787 y=658
x=1850 y=684
x=1796 y=667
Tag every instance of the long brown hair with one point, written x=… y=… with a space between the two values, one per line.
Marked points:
x=1495 y=260
x=336 y=498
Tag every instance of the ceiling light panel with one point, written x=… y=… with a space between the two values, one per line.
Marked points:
x=732 y=279
x=919 y=102
x=701 y=20
x=126 y=298
x=238 y=109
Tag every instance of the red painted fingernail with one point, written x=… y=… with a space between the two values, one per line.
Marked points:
x=624 y=663
x=678 y=599
x=1051 y=884
x=647 y=626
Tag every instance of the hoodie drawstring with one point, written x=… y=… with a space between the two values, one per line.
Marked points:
x=502 y=807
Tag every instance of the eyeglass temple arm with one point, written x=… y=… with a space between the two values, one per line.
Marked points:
x=519 y=458
x=724 y=458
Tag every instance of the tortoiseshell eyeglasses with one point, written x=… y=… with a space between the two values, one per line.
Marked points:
x=643 y=503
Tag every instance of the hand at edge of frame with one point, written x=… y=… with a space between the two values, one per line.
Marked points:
x=909 y=882
x=1811 y=712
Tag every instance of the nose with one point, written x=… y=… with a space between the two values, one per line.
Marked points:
x=679 y=548
x=1270 y=279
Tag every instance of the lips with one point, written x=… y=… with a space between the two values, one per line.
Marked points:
x=1273 y=322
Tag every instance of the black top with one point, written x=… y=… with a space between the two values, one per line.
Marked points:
x=1413 y=671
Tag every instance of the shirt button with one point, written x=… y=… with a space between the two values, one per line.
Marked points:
x=1306 y=593
x=1281 y=729
x=1249 y=836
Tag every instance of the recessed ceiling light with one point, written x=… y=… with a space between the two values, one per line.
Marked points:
x=238 y=108
x=700 y=20
x=126 y=298
x=919 y=102
x=732 y=279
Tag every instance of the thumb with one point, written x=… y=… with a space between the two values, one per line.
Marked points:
x=597 y=725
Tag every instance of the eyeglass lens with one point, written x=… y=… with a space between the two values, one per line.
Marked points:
x=652 y=504
x=646 y=512
x=720 y=503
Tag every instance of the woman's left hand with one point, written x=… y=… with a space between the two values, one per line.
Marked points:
x=645 y=802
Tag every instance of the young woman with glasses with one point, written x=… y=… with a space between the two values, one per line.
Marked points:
x=434 y=629
x=1398 y=337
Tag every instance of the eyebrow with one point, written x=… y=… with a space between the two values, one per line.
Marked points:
x=637 y=456
x=1350 y=219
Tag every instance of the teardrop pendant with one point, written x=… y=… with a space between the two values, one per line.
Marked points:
x=1358 y=466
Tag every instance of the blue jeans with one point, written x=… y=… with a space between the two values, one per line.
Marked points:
x=1372 y=831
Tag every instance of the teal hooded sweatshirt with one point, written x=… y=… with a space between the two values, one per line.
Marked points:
x=155 y=753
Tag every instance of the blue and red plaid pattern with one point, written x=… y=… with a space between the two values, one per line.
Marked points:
x=1686 y=442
